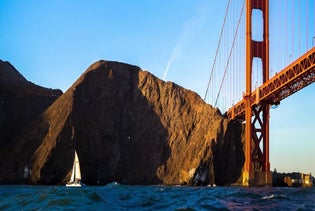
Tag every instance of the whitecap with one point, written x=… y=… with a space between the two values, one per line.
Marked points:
x=269 y=197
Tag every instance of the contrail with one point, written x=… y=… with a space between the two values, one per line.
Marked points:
x=178 y=49
x=166 y=69
x=171 y=59
x=184 y=37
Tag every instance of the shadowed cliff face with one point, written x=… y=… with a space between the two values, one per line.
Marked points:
x=20 y=102
x=228 y=153
x=127 y=126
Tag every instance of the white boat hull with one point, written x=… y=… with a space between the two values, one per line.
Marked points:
x=78 y=185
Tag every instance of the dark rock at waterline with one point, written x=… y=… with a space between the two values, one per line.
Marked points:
x=130 y=127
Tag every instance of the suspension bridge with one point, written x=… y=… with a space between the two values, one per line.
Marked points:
x=258 y=63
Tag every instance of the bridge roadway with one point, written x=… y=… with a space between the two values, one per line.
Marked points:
x=291 y=79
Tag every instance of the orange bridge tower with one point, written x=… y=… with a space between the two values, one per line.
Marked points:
x=257 y=166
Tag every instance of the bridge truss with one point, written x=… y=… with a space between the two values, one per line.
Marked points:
x=291 y=79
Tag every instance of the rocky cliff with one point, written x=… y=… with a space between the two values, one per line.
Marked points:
x=20 y=102
x=127 y=126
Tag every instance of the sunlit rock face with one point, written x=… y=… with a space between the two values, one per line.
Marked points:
x=130 y=127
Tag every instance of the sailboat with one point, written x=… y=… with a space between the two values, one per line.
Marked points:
x=75 y=179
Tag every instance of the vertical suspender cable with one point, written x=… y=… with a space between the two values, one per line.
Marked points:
x=299 y=25
x=216 y=53
x=239 y=20
x=306 y=25
x=286 y=43
x=292 y=54
x=280 y=62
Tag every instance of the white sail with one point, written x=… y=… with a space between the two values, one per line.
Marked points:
x=77 y=167
x=72 y=174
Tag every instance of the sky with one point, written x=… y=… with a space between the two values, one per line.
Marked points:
x=53 y=42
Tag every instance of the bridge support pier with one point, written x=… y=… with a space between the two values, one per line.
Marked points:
x=256 y=178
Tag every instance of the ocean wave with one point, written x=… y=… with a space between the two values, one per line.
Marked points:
x=124 y=197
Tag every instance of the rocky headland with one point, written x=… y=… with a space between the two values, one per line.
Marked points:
x=21 y=102
x=126 y=125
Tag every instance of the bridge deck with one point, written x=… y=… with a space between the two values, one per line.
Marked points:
x=291 y=79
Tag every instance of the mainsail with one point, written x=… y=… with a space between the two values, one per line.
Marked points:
x=76 y=172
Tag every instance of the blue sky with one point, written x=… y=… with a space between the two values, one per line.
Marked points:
x=52 y=42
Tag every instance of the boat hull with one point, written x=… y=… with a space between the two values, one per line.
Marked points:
x=76 y=185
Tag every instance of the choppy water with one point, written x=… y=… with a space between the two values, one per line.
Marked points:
x=123 y=197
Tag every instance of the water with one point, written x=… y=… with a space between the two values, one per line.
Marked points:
x=123 y=197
